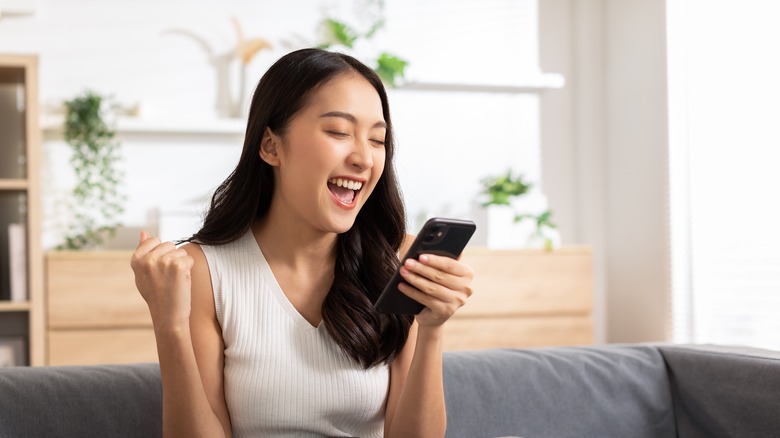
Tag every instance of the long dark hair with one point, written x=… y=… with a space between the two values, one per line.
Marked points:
x=366 y=255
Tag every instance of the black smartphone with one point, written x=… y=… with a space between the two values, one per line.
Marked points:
x=440 y=236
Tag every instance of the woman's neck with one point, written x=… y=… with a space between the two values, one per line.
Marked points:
x=288 y=240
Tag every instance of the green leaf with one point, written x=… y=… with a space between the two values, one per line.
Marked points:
x=500 y=189
x=379 y=24
x=341 y=32
x=390 y=68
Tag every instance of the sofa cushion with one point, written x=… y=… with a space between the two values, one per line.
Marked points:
x=616 y=391
x=724 y=391
x=87 y=401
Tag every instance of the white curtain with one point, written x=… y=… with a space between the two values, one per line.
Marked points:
x=724 y=95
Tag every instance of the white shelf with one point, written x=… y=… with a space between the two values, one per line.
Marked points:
x=52 y=126
x=534 y=85
x=235 y=128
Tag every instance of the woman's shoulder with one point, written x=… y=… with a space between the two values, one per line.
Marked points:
x=194 y=250
x=200 y=264
x=241 y=243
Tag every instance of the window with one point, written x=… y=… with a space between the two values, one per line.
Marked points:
x=724 y=91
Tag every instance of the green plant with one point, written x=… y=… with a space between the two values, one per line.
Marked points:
x=389 y=67
x=502 y=188
x=97 y=201
x=542 y=221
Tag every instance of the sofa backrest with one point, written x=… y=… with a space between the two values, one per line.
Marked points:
x=90 y=401
x=611 y=391
x=615 y=391
x=724 y=391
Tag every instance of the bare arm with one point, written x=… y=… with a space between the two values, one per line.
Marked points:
x=175 y=284
x=416 y=399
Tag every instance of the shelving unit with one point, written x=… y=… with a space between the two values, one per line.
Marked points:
x=20 y=202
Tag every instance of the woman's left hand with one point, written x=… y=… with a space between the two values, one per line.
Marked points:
x=439 y=283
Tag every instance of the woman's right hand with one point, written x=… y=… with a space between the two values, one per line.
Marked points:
x=162 y=276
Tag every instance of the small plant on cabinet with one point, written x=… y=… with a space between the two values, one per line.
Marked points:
x=501 y=190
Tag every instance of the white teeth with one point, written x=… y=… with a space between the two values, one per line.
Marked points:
x=352 y=185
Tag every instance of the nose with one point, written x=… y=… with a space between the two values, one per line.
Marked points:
x=361 y=157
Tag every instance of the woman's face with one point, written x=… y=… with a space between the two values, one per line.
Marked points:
x=332 y=154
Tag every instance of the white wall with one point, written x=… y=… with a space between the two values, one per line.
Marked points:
x=447 y=142
x=637 y=207
x=605 y=155
x=126 y=50
x=603 y=165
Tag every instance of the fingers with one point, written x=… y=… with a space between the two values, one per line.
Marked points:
x=441 y=284
x=444 y=271
x=435 y=275
x=421 y=297
x=426 y=285
x=430 y=293
x=442 y=307
x=446 y=264
x=146 y=244
x=150 y=250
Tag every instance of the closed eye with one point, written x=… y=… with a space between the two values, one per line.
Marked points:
x=337 y=133
x=378 y=142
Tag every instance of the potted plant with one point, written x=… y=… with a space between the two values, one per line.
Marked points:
x=96 y=201
x=337 y=34
x=516 y=216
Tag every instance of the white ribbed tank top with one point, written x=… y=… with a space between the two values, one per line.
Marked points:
x=284 y=377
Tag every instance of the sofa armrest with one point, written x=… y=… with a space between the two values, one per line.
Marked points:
x=81 y=401
x=724 y=391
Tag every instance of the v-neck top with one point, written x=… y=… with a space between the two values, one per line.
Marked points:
x=284 y=377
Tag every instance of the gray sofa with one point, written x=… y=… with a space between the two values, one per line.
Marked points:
x=611 y=391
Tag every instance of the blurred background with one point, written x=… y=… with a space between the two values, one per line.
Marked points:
x=648 y=128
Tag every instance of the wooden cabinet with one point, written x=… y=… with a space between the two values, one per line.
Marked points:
x=95 y=313
x=21 y=287
x=525 y=298
x=522 y=298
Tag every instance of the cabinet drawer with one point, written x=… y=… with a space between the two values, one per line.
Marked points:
x=504 y=332
x=94 y=347
x=91 y=290
x=530 y=282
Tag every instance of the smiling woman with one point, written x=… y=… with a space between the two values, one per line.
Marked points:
x=264 y=321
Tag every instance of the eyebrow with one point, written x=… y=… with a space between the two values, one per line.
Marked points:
x=351 y=118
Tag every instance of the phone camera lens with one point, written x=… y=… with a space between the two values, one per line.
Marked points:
x=440 y=233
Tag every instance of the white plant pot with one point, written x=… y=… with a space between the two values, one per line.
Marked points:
x=504 y=233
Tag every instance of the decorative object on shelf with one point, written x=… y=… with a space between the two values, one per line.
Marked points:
x=227 y=104
x=12 y=351
x=339 y=35
x=16 y=8
x=17 y=257
x=510 y=206
x=97 y=198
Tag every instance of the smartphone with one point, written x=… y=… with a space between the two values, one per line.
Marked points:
x=440 y=236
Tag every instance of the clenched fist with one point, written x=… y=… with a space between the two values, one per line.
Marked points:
x=162 y=276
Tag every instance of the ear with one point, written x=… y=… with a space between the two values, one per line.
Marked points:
x=269 y=147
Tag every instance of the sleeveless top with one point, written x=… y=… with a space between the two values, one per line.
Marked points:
x=284 y=377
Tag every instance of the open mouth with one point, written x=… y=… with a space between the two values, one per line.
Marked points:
x=345 y=190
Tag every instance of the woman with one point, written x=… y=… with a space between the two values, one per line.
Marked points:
x=264 y=321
